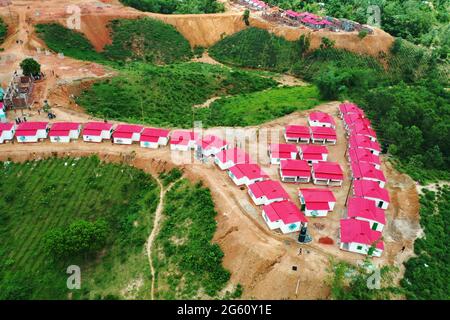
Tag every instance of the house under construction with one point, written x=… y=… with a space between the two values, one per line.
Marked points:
x=19 y=93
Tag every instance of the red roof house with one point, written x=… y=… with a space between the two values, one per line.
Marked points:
x=154 y=137
x=327 y=173
x=323 y=135
x=296 y=133
x=7 y=131
x=363 y=209
x=357 y=236
x=211 y=145
x=363 y=142
x=371 y=190
x=316 y=202
x=228 y=158
x=364 y=155
x=359 y=128
x=346 y=108
x=32 y=131
x=313 y=154
x=295 y=171
x=97 y=131
x=183 y=140
x=321 y=119
x=366 y=171
x=127 y=133
x=247 y=173
x=64 y=131
x=277 y=152
x=266 y=192
x=284 y=215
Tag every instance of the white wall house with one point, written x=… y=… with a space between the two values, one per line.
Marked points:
x=267 y=191
x=7 y=131
x=372 y=191
x=97 y=131
x=316 y=202
x=228 y=158
x=356 y=236
x=154 y=137
x=278 y=152
x=31 y=131
x=283 y=215
x=64 y=132
x=366 y=210
x=246 y=174
x=183 y=140
x=321 y=119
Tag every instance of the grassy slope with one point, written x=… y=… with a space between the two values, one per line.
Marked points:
x=259 y=107
x=164 y=96
x=188 y=265
x=53 y=193
x=3 y=31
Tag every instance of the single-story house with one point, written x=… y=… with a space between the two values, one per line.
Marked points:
x=366 y=171
x=210 y=145
x=327 y=173
x=321 y=119
x=347 y=108
x=295 y=171
x=364 y=155
x=247 y=173
x=323 y=135
x=352 y=119
x=266 y=192
x=183 y=140
x=97 y=131
x=359 y=128
x=316 y=202
x=371 y=190
x=32 y=131
x=64 y=131
x=154 y=137
x=284 y=215
x=228 y=158
x=357 y=236
x=277 y=152
x=297 y=133
x=366 y=210
x=363 y=142
x=127 y=133
x=7 y=131
x=313 y=154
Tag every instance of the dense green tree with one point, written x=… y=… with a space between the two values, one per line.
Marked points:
x=3 y=30
x=30 y=67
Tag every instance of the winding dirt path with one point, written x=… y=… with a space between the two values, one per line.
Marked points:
x=155 y=230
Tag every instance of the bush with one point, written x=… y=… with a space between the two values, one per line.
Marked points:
x=174 y=6
x=3 y=30
x=30 y=67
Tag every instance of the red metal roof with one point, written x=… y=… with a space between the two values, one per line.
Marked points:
x=350 y=108
x=251 y=171
x=360 y=141
x=123 y=135
x=282 y=150
x=328 y=170
x=358 y=231
x=363 y=155
x=296 y=131
x=285 y=211
x=24 y=126
x=131 y=128
x=295 y=168
x=371 y=189
x=321 y=117
x=359 y=207
x=155 y=132
x=183 y=137
x=235 y=155
x=211 y=141
x=366 y=170
x=313 y=152
x=6 y=127
x=362 y=129
x=323 y=133
x=96 y=128
x=268 y=188
x=317 y=195
x=63 y=126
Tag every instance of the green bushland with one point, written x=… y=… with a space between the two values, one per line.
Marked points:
x=188 y=265
x=165 y=95
x=100 y=215
x=259 y=107
x=349 y=282
x=144 y=39
x=3 y=30
x=426 y=274
x=168 y=177
x=175 y=6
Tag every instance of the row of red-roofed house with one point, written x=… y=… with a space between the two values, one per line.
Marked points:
x=362 y=226
x=321 y=129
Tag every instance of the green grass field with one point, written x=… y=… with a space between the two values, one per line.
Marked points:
x=39 y=196
x=165 y=95
x=188 y=265
x=259 y=107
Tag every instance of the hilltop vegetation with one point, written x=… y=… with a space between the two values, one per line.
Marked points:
x=74 y=212
x=407 y=103
x=426 y=275
x=164 y=96
x=145 y=39
x=3 y=30
x=188 y=265
x=175 y=6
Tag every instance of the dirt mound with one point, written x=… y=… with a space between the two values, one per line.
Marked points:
x=326 y=240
